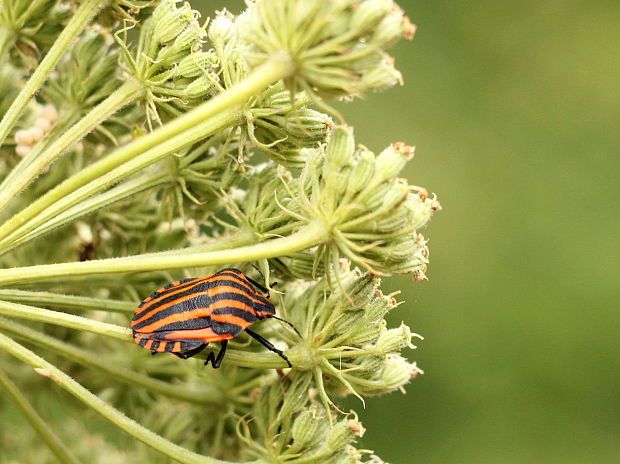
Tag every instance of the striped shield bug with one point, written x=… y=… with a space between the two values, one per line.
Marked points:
x=184 y=317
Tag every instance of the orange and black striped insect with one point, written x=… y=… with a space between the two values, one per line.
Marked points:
x=184 y=317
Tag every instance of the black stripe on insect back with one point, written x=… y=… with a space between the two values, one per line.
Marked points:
x=199 y=301
x=241 y=313
x=202 y=323
x=163 y=300
x=177 y=285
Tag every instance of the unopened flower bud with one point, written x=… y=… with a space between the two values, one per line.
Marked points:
x=36 y=133
x=382 y=76
x=171 y=22
x=195 y=64
x=190 y=38
x=340 y=436
x=200 y=86
x=346 y=322
x=43 y=124
x=221 y=28
x=366 y=333
x=306 y=122
x=391 y=29
x=379 y=306
x=24 y=137
x=341 y=146
x=49 y=112
x=368 y=365
x=296 y=396
x=396 y=373
x=305 y=430
x=362 y=172
x=22 y=150
x=392 y=160
x=394 y=340
x=420 y=211
x=360 y=290
x=369 y=13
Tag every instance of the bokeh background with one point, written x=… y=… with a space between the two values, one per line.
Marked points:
x=514 y=107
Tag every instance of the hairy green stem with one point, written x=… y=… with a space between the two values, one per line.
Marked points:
x=278 y=67
x=46 y=434
x=96 y=361
x=27 y=171
x=119 y=419
x=63 y=319
x=57 y=300
x=76 y=24
x=129 y=167
x=308 y=236
x=90 y=205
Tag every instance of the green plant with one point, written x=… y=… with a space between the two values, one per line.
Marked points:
x=167 y=148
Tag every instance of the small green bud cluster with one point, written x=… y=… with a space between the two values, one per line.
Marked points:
x=348 y=338
x=283 y=128
x=338 y=58
x=169 y=60
x=278 y=120
x=86 y=75
x=291 y=425
x=372 y=215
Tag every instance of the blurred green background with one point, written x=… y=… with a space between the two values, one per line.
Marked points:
x=514 y=107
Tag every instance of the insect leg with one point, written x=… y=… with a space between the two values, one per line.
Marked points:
x=190 y=353
x=216 y=362
x=263 y=341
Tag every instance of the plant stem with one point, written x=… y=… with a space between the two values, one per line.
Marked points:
x=57 y=300
x=38 y=424
x=314 y=233
x=25 y=172
x=131 y=377
x=78 y=21
x=278 y=67
x=130 y=426
x=239 y=358
x=117 y=193
x=105 y=179
x=65 y=320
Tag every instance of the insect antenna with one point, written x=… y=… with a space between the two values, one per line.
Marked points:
x=287 y=322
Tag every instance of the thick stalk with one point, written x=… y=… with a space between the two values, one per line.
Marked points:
x=308 y=236
x=173 y=451
x=117 y=193
x=74 y=302
x=278 y=67
x=129 y=167
x=70 y=321
x=46 y=434
x=76 y=24
x=25 y=172
x=96 y=361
